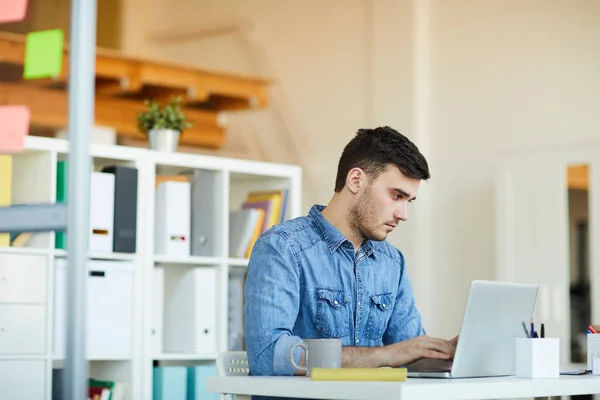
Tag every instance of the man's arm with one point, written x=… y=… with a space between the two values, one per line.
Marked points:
x=272 y=301
x=398 y=354
x=405 y=322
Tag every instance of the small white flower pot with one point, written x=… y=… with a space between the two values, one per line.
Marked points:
x=163 y=139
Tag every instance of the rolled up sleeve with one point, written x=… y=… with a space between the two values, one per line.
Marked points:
x=271 y=306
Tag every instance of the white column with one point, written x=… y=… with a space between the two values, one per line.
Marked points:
x=421 y=133
x=81 y=118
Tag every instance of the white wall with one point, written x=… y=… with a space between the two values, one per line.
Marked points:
x=506 y=76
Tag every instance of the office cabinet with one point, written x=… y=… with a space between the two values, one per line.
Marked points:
x=22 y=278
x=22 y=329
x=22 y=380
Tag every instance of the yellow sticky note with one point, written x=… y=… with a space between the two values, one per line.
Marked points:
x=43 y=54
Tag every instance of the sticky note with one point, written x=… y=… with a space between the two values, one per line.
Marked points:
x=43 y=54
x=12 y=10
x=14 y=126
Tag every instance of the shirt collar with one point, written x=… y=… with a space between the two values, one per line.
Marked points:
x=332 y=235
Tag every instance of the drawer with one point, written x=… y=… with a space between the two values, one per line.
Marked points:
x=23 y=278
x=22 y=380
x=22 y=329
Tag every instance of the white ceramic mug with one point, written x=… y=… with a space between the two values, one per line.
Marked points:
x=319 y=353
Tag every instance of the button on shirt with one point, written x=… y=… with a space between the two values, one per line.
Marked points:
x=306 y=281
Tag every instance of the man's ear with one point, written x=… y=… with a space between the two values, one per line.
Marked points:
x=355 y=179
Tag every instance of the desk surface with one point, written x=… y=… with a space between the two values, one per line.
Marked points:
x=411 y=389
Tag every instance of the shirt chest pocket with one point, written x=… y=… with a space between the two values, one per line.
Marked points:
x=333 y=313
x=379 y=314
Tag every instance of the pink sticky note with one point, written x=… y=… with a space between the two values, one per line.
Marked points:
x=12 y=10
x=14 y=126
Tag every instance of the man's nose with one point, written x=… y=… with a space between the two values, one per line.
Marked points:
x=401 y=213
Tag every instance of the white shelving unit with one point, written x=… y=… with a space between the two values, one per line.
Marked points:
x=34 y=180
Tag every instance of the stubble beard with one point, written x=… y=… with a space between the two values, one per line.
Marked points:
x=362 y=216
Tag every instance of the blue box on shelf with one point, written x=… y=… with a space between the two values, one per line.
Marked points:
x=196 y=382
x=170 y=383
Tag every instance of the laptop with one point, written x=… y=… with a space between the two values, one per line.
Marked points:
x=493 y=319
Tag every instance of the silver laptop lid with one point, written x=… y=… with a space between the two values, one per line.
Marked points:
x=492 y=320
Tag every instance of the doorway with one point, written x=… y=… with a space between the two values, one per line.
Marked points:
x=580 y=293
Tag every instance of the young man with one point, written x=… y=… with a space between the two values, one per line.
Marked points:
x=331 y=274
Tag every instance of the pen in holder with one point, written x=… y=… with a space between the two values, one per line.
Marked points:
x=593 y=349
x=537 y=357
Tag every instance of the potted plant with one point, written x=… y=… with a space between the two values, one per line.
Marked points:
x=163 y=125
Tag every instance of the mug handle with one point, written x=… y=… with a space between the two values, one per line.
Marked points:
x=305 y=369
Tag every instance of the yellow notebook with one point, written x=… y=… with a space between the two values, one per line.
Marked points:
x=359 y=374
x=276 y=197
x=5 y=191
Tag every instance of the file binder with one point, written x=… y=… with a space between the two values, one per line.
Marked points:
x=172 y=219
x=125 y=209
x=60 y=237
x=102 y=208
x=190 y=316
x=205 y=211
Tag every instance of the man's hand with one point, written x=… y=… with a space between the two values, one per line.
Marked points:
x=401 y=353
x=408 y=351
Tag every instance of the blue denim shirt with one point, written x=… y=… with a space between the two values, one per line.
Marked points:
x=305 y=281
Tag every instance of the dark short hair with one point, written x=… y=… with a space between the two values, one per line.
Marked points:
x=373 y=150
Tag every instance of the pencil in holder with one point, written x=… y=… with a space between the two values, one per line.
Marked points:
x=537 y=358
x=593 y=349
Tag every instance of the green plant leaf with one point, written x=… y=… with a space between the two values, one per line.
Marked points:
x=168 y=117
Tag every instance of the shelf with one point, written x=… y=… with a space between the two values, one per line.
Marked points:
x=25 y=250
x=186 y=356
x=191 y=260
x=122 y=83
x=224 y=275
x=28 y=357
x=238 y=262
x=115 y=359
x=101 y=256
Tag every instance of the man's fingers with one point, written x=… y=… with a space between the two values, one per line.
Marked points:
x=442 y=346
x=427 y=353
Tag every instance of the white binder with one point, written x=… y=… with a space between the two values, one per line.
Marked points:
x=172 y=219
x=190 y=315
x=102 y=208
x=109 y=309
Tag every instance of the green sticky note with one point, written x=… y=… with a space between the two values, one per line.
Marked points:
x=43 y=54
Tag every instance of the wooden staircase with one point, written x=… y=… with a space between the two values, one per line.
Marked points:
x=122 y=83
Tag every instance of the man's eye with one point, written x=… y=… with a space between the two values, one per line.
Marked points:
x=396 y=197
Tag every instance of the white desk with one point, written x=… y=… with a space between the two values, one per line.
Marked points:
x=411 y=389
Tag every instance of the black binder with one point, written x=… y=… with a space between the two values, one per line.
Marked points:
x=125 y=220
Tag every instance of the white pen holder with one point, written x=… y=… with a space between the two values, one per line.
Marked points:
x=593 y=350
x=537 y=358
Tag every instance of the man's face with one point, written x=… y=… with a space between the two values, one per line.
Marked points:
x=383 y=203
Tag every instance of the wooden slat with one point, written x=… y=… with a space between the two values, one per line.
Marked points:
x=49 y=109
x=121 y=74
